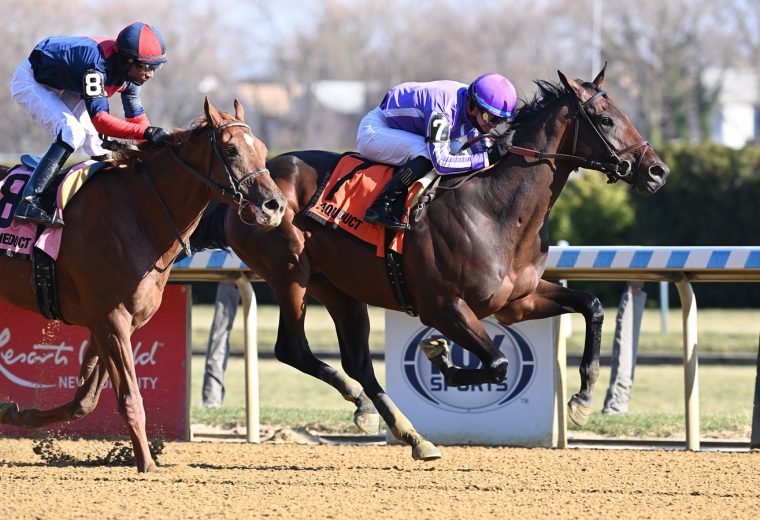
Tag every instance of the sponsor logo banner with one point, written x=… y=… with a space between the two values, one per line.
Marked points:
x=518 y=411
x=40 y=362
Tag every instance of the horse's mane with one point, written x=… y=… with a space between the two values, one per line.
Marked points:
x=529 y=112
x=177 y=138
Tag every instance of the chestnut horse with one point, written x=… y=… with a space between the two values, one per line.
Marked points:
x=480 y=250
x=123 y=231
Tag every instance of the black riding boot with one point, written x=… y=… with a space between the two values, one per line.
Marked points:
x=29 y=209
x=388 y=207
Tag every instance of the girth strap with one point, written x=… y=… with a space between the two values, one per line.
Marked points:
x=44 y=286
x=395 y=269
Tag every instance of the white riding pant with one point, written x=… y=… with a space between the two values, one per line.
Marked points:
x=378 y=142
x=57 y=111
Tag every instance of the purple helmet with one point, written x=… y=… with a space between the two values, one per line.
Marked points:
x=141 y=43
x=495 y=94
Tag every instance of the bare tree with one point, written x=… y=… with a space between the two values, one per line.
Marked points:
x=658 y=53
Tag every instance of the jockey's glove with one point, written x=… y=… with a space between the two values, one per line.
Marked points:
x=156 y=134
x=493 y=155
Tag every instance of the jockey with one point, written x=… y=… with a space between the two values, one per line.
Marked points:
x=64 y=86
x=417 y=123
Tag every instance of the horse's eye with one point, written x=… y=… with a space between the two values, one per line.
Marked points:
x=605 y=121
x=231 y=152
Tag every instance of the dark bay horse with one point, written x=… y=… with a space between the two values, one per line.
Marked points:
x=123 y=231
x=480 y=250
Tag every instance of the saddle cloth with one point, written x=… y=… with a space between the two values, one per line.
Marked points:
x=346 y=193
x=18 y=238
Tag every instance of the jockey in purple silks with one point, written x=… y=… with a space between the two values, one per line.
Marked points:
x=64 y=86
x=421 y=126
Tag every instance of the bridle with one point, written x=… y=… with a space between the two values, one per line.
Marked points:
x=232 y=192
x=616 y=169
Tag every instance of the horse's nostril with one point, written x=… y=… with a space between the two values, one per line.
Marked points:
x=272 y=205
x=659 y=170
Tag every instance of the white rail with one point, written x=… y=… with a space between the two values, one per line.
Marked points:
x=679 y=265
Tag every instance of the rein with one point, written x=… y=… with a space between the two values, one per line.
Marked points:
x=615 y=170
x=167 y=213
x=234 y=193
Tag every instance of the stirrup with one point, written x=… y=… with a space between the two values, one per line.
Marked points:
x=383 y=217
x=29 y=211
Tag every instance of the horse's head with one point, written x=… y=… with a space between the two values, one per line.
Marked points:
x=603 y=135
x=237 y=164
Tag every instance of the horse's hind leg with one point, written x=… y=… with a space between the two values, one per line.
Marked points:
x=352 y=328
x=92 y=379
x=549 y=300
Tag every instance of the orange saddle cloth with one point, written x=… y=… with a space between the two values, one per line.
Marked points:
x=342 y=199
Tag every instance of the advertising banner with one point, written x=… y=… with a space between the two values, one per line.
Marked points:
x=40 y=362
x=519 y=411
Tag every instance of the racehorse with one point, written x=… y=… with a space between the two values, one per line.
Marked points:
x=123 y=231
x=480 y=250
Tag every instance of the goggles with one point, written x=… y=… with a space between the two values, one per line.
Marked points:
x=146 y=67
x=488 y=117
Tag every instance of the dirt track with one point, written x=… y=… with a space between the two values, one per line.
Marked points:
x=226 y=480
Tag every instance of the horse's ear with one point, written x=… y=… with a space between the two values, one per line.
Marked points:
x=600 y=77
x=239 y=112
x=571 y=84
x=212 y=114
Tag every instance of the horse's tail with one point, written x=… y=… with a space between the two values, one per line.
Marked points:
x=210 y=231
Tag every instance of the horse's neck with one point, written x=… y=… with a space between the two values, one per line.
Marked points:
x=519 y=188
x=550 y=136
x=184 y=196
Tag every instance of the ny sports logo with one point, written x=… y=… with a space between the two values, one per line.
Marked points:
x=429 y=384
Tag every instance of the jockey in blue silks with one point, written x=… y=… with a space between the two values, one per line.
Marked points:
x=64 y=86
x=419 y=126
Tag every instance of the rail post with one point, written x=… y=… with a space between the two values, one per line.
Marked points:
x=690 y=364
x=248 y=298
x=754 y=441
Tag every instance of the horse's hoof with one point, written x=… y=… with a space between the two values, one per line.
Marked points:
x=578 y=412
x=435 y=348
x=152 y=467
x=426 y=450
x=5 y=408
x=369 y=423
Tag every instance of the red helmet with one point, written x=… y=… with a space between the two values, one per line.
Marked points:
x=142 y=43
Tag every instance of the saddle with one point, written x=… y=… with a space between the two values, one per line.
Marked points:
x=37 y=243
x=345 y=194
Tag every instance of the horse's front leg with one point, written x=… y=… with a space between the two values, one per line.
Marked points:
x=113 y=338
x=92 y=379
x=550 y=299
